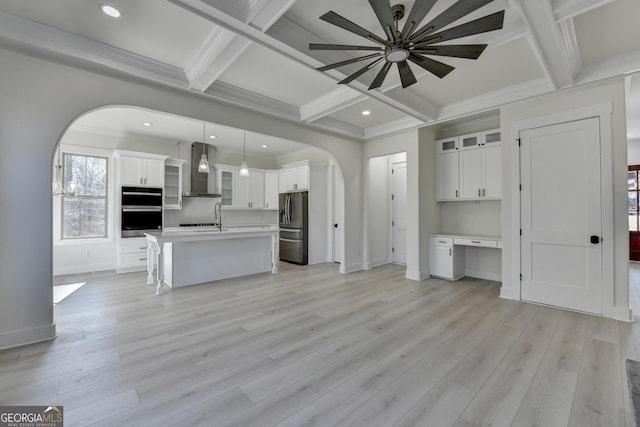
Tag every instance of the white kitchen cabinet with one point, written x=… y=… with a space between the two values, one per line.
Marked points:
x=447 y=177
x=140 y=169
x=295 y=177
x=473 y=171
x=446 y=261
x=173 y=184
x=132 y=254
x=282 y=181
x=250 y=190
x=271 y=189
x=226 y=184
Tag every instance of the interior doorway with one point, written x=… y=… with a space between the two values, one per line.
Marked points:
x=399 y=212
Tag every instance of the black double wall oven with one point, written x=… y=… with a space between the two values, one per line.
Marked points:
x=141 y=211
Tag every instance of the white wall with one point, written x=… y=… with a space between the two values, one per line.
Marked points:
x=379 y=208
x=421 y=208
x=608 y=93
x=38 y=102
x=633 y=152
x=474 y=218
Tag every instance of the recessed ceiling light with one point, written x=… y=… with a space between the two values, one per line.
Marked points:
x=147 y=124
x=110 y=11
x=212 y=136
x=264 y=146
x=366 y=112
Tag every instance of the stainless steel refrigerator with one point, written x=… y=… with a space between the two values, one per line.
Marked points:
x=294 y=227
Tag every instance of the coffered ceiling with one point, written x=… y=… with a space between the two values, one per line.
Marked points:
x=255 y=54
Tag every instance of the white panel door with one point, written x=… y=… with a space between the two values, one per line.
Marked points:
x=471 y=174
x=399 y=209
x=561 y=211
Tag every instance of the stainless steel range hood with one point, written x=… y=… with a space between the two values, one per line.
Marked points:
x=198 y=179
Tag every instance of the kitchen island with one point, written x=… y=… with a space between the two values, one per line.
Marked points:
x=191 y=256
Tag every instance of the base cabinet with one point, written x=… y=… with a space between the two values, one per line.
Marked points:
x=132 y=254
x=445 y=260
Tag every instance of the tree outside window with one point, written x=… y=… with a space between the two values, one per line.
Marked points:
x=84 y=215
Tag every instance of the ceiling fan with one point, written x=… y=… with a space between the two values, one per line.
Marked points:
x=412 y=43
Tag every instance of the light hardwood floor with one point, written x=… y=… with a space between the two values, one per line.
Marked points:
x=312 y=347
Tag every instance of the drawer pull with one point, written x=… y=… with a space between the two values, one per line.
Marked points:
x=442 y=241
x=142 y=259
x=476 y=241
x=143 y=248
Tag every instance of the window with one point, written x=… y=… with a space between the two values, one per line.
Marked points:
x=84 y=215
x=634 y=191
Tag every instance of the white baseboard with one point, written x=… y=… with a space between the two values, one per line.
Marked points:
x=486 y=275
x=27 y=336
x=350 y=268
x=624 y=314
x=416 y=275
x=82 y=268
x=506 y=293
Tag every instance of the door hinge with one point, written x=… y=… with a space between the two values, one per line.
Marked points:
x=521 y=277
x=521 y=231
x=392 y=171
x=393 y=249
x=393 y=223
x=393 y=197
x=520 y=187
x=518 y=141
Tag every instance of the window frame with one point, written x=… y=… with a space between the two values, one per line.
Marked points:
x=636 y=169
x=65 y=197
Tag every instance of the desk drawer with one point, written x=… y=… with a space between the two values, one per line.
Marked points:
x=441 y=241
x=484 y=243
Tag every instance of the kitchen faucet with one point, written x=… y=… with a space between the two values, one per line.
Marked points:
x=217 y=214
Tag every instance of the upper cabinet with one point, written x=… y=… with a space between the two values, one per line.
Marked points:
x=447 y=185
x=294 y=177
x=141 y=169
x=226 y=182
x=471 y=171
x=271 y=189
x=173 y=184
x=250 y=190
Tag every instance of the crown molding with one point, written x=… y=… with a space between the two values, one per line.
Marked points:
x=387 y=129
x=36 y=37
x=621 y=65
x=494 y=99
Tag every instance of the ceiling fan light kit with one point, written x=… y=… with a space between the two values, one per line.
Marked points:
x=414 y=42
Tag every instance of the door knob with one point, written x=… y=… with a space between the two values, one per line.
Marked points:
x=595 y=239
x=335 y=225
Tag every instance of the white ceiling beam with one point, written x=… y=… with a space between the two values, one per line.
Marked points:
x=222 y=47
x=565 y=9
x=336 y=100
x=547 y=41
x=220 y=18
x=56 y=43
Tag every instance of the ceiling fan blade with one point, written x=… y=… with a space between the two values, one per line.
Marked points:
x=320 y=46
x=406 y=75
x=339 y=21
x=452 y=14
x=377 y=82
x=469 y=51
x=418 y=12
x=436 y=68
x=360 y=72
x=382 y=8
x=348 y=61
x=488 y=23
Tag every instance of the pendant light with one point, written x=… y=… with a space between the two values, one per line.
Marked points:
x=203 y=166
x=244 y=169
x=58 y=185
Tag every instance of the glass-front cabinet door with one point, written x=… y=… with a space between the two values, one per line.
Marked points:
x=634 y=212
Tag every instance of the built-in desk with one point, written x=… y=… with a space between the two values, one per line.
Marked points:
x=447 y=255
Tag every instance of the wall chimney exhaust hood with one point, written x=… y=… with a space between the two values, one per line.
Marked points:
x=198 y=179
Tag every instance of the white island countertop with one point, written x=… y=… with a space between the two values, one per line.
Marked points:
x=191 y=255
